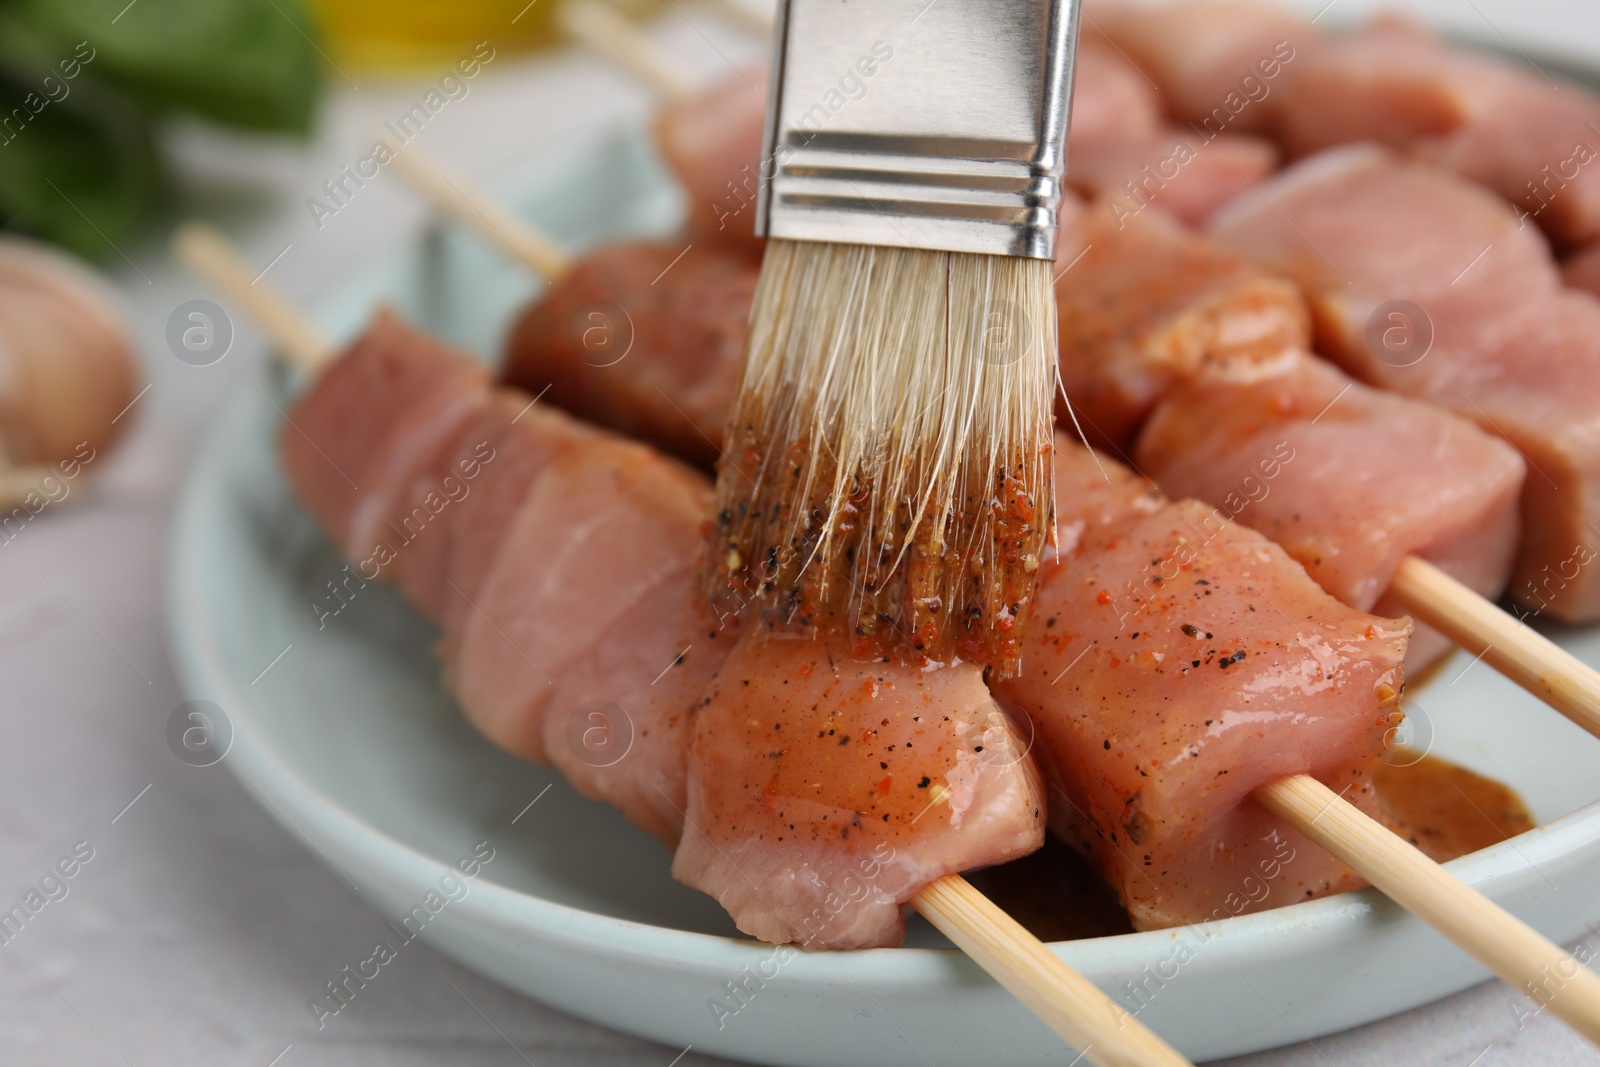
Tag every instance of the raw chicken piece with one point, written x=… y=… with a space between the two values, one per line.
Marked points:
x=1175 y=171
x=1348 y=480
x=643 y=341
x=1112 y=100
x=485 y=472
x=639 y=664
x=392 y=395
x=1390 y=81
x=1119 y=148
x=1425 y=284
x=619 y=716
x=712 y=142
x=1533 y=141
x=519 y=552
x=826 y=790
x=1182 y=661
x=1168 y=320
x=1217 y=62
x=1147 y=305
x=1382 y=225
x=1540 y=149
x=599 y=530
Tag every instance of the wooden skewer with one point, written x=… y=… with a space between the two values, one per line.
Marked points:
x=456 y=195
x=1527 y=657
x=601 y=27
x=1100 y=1028
x=1524 y=958
x=207 y=253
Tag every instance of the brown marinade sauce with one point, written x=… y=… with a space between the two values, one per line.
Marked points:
x=1444 y=809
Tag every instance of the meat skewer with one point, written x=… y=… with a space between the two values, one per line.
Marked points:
x=1066 y=1001
x=1131 y=719
x=1293 y=410
x=680 y=406
x=1470 y=620
x=1490 y=121
x=1502 y=942
x=1188 y=75
x=1165 y=687
x=1391 y=81
x=1508 y=346
x=1155 y=316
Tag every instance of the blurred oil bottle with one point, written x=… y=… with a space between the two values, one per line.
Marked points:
x=405 y=36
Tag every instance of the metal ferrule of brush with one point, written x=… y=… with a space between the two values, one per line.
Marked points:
x=917 y=124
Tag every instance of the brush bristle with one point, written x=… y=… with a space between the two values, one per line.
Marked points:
x=888 y=467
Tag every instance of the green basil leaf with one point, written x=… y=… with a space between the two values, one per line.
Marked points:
x=83 y=177
x=249 y=63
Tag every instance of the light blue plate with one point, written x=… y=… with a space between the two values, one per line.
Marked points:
x=350 y=742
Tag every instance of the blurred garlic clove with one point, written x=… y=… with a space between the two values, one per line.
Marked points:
x=67 y=363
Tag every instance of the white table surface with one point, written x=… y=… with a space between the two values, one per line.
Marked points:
x=197 y=930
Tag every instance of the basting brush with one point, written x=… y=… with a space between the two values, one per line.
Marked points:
x=887 y=464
